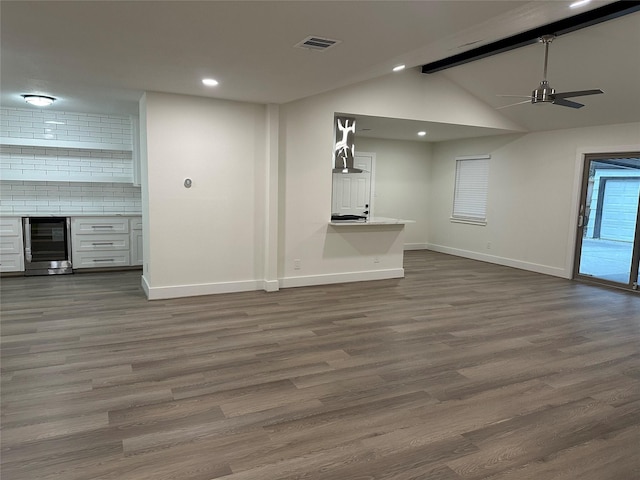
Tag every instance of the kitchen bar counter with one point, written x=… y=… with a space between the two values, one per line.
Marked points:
x=371 y=221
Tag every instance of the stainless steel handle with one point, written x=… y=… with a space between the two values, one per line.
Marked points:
x=104 y=259
x=27 y=239
x=101 y=226
x=102 y=243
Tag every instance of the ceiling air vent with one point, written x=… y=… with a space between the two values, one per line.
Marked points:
x=317 y=43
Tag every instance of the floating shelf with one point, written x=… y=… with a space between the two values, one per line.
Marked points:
x=39 y=176
x=39 y=142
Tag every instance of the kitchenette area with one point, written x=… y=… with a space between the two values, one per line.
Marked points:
x=70 y=195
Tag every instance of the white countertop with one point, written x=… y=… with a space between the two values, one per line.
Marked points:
x=19 y=215
x=372 y=221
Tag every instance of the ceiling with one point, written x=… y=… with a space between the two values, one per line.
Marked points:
x=97 y=56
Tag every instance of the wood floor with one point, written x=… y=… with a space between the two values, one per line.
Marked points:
x=461 y=370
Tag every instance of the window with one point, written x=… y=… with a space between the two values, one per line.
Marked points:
x=470 y=195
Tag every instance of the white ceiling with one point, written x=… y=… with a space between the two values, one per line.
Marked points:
x=100 y=56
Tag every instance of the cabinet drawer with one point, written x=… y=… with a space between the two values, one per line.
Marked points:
x=101 y=259
x=10 y=245
x=136 y=223
x=11 y=227
x=93 y=243
x=94 y=225
x=11 y=262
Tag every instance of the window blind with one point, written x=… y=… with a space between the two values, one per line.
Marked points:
x=472 y=183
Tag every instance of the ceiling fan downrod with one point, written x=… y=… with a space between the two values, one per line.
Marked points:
x=544 y=93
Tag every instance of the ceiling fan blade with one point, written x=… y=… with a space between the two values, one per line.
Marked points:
x=579 y=93
x=567 y=103
x=515 y=96
x=513 y=104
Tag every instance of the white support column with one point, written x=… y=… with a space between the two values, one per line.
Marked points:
x=271 y=199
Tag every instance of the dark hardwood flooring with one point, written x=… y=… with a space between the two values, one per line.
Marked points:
x=461 y=370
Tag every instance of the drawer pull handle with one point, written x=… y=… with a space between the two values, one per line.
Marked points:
x=102 y=243
x=104 y=259
x=101 y=226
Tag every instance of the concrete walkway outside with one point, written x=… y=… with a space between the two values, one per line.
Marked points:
x=606 y=259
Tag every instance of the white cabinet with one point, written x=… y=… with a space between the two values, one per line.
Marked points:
x=11 y=246
x=136 y=240
x=99 y=242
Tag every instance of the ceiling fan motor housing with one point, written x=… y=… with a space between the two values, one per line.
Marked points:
x=543 y=94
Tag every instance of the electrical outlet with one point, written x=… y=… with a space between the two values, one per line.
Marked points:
x=297 y=265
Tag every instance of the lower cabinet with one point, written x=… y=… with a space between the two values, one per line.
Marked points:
x=96 y=242
x=99 y=242
x=11 y=246
x=136 y=241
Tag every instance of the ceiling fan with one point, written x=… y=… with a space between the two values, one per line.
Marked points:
x=545 y=93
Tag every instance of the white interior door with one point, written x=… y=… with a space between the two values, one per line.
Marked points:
x=352 y=191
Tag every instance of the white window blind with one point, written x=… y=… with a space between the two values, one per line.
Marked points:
x=472 y=183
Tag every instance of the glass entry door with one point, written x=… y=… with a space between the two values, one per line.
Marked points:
x=608 y=242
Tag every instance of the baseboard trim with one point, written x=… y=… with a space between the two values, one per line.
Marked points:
x=270 y=285
x=313 y=280
x=507 y=262
x=179 y=291
x=145 y=286
x=416 y=246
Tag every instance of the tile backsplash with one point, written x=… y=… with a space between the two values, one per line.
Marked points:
x=64 y=163
x=65 y=126
x=68 y=198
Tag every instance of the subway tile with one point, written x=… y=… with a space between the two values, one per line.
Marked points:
x=21 y=123
x=32 y=130
x=77 y=123
x=72 y=209
x=9 y=150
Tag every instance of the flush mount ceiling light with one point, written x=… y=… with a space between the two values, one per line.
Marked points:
x=398 y=68
x=209 y=82
x=38 y=100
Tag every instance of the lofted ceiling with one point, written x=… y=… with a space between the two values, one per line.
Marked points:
x=100 y=56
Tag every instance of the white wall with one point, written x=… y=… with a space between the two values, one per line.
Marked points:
x=327 y=252
x=533 y=193
x=219 y=235
x=202 y=239
x=401 y=183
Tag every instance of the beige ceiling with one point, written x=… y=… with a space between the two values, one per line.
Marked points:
x=100 y=56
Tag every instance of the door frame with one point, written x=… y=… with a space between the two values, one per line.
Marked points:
x=372 y=192
x=576 y=231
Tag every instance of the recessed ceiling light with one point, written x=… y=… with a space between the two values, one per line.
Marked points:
x=397 y=68
x=209 y=82
x=38 y=100
x=422 y=133
x=579 y=3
